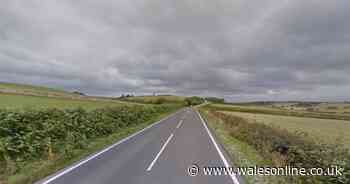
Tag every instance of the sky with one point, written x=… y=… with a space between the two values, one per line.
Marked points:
x=242 y=50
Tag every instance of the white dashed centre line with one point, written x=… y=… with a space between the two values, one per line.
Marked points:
x=179 y=125
x=160 y=152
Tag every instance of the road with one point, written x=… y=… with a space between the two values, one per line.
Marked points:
x=159 y=154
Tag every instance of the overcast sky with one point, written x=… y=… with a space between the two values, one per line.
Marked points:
x=237 y=49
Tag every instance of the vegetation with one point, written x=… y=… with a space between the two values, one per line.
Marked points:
x=215 y=100
x=25 y=89
x=241 y=153
x=195 y=100
x=31 y=136
x=79 y=93
x=283 y=148
x=319 y=107
x=160 y=99
x=38 y=91
x=11 y=101
x=268 y=110
x=327 y=130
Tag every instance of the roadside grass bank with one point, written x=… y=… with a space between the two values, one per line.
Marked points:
x=241 y=154
x=327 y=130
x=36 y=143
x=263 y=110
x=280 y=148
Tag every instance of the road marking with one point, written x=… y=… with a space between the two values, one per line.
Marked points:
x=105 y=150
x=227 y=165
x=180 y=123
x=160 y=152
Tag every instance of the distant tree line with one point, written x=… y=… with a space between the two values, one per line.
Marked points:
x=126 y=95
x=79 y=93
x=215 y=100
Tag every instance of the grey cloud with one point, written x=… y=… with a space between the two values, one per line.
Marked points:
x=242 y=50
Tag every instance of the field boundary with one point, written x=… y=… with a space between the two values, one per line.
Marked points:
x=81 y=162
x=279 y=112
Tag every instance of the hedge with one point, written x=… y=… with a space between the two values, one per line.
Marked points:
x=284 y=148
x=40 y=134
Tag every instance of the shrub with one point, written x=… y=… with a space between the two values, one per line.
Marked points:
x=215 y=99
x=195 y=100
x=40 y=134
x=290 y=149
x=160 y=101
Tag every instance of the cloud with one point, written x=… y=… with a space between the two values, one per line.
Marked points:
x=242 y=50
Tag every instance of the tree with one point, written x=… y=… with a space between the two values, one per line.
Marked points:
x=215 y=100
x=195 y=100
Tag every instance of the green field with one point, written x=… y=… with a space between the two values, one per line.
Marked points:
x=258 y=139
x=34 y=90
x=26 y=107
x=268 y=109
x=11 y=101
x=326 y=129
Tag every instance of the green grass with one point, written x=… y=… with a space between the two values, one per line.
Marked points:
x=33 y=90
x=241 y=154
x=276 y=111
x=326 y=129
x=11 y=101
x=40 y=169
x=283 y=148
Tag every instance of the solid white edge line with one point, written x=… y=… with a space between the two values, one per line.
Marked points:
x=180 y=123
x=227 y=165
x=160 y=152
x=105 y=150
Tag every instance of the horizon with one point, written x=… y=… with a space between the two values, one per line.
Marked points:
x=169 y=94
x=278 y=50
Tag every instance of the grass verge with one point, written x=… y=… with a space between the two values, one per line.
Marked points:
x=241 y=154
x=286 y=149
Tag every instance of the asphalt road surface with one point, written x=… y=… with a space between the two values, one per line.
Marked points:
x=159 y=154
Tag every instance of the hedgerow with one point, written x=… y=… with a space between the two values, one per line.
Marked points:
x=284 y=148
x=41 y=134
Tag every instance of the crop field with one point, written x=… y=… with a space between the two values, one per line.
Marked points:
x=326 y=129
x=253 y=107
x=325 y=107
x=268 y=109
x=12 y=101
x=278 y=146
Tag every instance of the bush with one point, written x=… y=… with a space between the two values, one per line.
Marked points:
x=160 y=101
x=40 y=134
x=195 y=100
x=283 y=148
x=215 y=100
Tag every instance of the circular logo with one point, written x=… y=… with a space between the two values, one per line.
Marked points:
x=193 y=170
